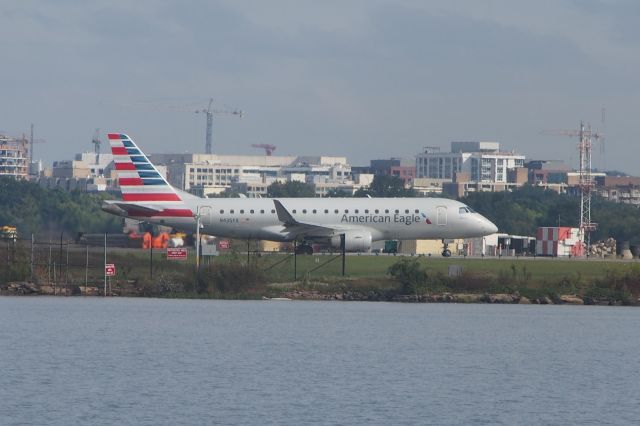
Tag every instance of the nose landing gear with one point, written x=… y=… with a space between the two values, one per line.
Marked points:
x=445 y=249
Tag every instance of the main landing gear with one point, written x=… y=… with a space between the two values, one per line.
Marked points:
x=445 y=251
x=304 y=248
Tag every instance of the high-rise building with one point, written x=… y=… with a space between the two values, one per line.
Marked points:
x=14 y=157
x=483 y=162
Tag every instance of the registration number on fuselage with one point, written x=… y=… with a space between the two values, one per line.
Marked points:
x=229 y=220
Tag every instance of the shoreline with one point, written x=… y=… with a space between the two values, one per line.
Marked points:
x=23 y=288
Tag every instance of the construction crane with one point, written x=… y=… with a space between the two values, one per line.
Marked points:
x=96 y=145
x=268 y=148
x=586 y=136
x=210 y=112
x=31 y=142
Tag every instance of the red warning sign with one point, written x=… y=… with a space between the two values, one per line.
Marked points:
x=110 y=269
x=177 y=253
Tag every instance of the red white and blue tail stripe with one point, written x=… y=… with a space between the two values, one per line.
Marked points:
x=140 y=182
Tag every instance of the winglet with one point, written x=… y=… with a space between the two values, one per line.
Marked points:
x=283 y=214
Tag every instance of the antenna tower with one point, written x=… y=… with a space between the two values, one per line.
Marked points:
x=586 y=181
x=586 y=137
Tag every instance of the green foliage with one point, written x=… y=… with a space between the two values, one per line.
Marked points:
x=290 y=189
x=386 y=186
x=411 y=275
x=337 y=193
x=227 y=193
x=14 y=263
x=617 y=286
x=229 y=277
x=522 y=211
x=33 y=209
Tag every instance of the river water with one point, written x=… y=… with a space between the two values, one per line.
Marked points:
x=67 y=361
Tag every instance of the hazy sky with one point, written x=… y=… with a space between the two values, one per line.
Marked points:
x=363 y=79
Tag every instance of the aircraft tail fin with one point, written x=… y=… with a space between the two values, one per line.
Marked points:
x=138 y=178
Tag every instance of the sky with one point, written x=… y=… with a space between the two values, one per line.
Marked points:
x=365 y=79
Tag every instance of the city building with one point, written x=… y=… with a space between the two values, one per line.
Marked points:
x=471 y=167
x=88 y=171
x=86 y=164
x=209 y=174
x=483 y=161
x=619 y=189
x=426 y=186
x=14 y=157
x=404 y=169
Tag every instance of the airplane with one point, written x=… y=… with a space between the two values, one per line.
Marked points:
x=147 y=196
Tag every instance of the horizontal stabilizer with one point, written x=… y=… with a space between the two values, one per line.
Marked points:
x=123 y=209
x=138 y=210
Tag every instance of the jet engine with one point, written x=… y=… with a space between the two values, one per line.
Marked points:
x=353 y=241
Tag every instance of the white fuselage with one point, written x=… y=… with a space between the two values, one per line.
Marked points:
x=383 y=218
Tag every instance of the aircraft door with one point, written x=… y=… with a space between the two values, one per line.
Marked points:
x=441 y=215
x=206 y=215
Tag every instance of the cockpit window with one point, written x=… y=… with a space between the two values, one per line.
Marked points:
x=465 y=209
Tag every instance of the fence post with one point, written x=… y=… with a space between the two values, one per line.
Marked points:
x=295 y=260
x=66 y=277
x=49 y=263
x=104 y=266
x=86 y=271
x=151 y=262
x=6 y=270
x=59 y=258
x=343 y=246
x=31 y=264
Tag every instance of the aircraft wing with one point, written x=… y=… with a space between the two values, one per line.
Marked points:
x=296 y=228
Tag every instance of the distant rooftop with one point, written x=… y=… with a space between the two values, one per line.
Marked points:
x=475 y=146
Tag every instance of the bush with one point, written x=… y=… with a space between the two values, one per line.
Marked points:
x=616 y=286
x=14 y=264
x=410 y=274
x=229 y=277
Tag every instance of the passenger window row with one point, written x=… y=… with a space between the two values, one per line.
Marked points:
x=326 y=211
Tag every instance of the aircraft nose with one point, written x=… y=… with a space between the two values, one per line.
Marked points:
x=489 y=226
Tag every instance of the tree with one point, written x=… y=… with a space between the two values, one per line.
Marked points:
x=337 y=193
x=525 y=209
x=227 y=193
x=33 y=209
x=386 y=186
x=292 y=189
